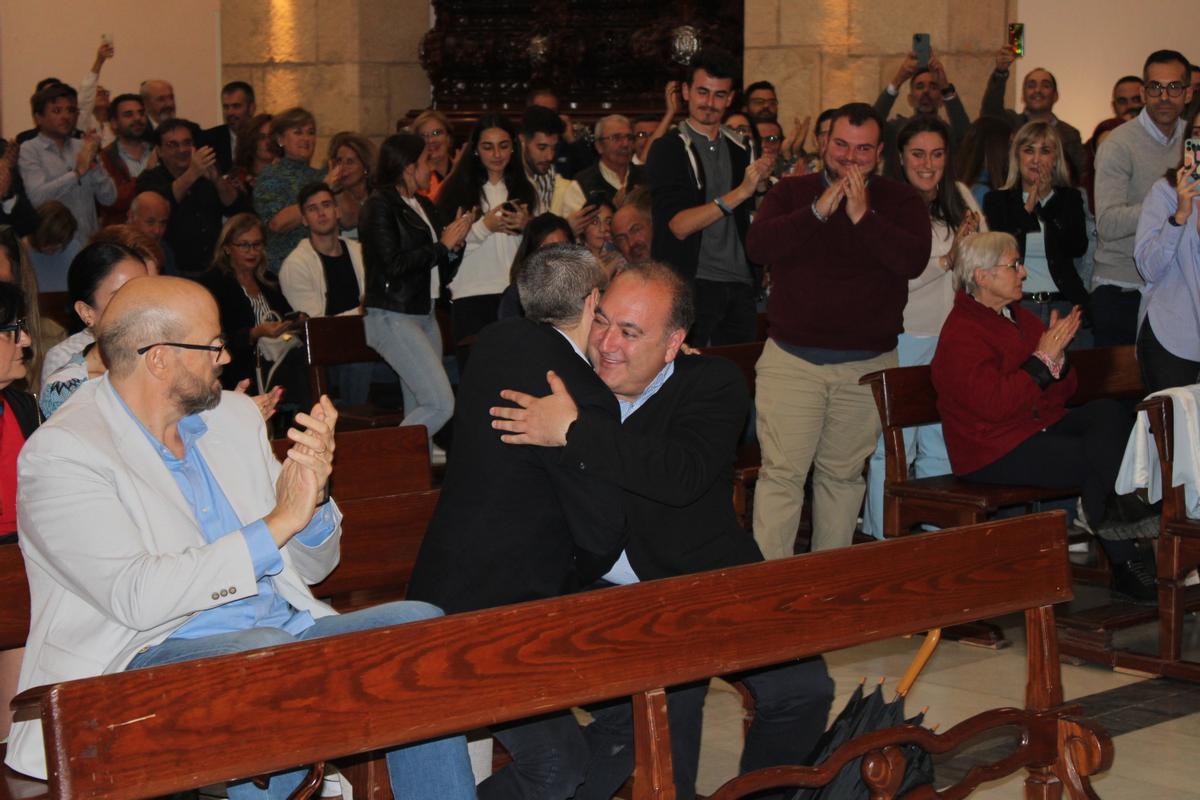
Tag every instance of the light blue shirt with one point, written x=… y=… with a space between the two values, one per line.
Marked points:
x=1144 y=119
x=1037 y=268
x=1168 y=258
x=48 y=172
x=217 y=518
x=622 y=571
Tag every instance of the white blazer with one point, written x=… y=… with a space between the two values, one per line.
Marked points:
x=115 y=557
x=302 y=278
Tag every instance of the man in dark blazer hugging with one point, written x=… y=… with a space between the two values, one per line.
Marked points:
x=672 y=454
x=523 y=523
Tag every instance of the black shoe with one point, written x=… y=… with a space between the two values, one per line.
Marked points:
x=1134 y=580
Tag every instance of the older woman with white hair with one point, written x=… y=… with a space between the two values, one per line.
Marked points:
x=1003 y=382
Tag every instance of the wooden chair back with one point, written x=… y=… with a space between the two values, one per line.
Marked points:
x=14 y=598
x=57 y=306
x=331 y=341
x=1106 y=372
x=744 y=355
x=165 y=729
x=375 y=462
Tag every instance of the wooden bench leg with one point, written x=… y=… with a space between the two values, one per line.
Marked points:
x=653 y=776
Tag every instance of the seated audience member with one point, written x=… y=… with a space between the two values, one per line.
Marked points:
x=255 y=317
x=199 y=196
x=541 y=130
x=53 y=245
x=294 y=136
x=150 y=213
x=57 y=166
x=1167 y=253
x=613 y=174
x=132 y=238
x=671 y=450
x=1131 y=159
x=127 y=157
x=408 y=255
x=16 y=269
x=632 y=229
x=15 y=208
x=354 y=158
x=323 y=276
x=254 y=152
x=18 y=420
x=94 y=277
x=432 y=126
x=237 y=106
x=1003 y=380
x=521 y=523
x=929 y=90
x=180 y=509
x=924 y=146
x=1127 y=97
x=1039 y=92
x=982 y=162
x=542 y=231
x=1044 y=213
x=94 y=102
x=597 y=237
x=490 y=177
x=159 y=98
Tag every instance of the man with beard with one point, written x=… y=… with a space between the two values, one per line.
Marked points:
x=841 y=245
x=127 y=157
x=929 y=90
x=237 y=106
x=701 y=177
x=1127 y=97
x=157 y=526
x=159 y=97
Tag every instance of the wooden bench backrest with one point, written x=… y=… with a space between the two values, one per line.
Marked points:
x=57 y=306
x=331 y=341
x=376 y=462
x=1161 y=412
x=380 y=540
x=154 y=731
x=744 y=355
x=905 y=395
x=14 y=598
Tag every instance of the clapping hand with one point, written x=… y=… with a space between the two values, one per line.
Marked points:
x=1058 y=336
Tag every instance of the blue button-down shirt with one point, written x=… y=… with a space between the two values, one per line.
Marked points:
x=48 y=172
x=217 y=518
x=622 y=571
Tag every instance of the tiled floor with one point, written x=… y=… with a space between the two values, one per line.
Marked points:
x=1155 y=723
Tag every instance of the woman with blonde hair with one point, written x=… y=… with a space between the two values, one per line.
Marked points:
x=16 y=268
x=433 y=126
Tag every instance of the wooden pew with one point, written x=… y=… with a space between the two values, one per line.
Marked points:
x=165 y=729
x=333 y=341
x=748 y=461
x=372 y=463
x=1178 y=554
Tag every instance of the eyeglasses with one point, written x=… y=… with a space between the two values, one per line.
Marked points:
x=617 y=137
x=433 y=134
x=183 y=144
x=1015 y=266
x=249 y=247
x=1174 y=88
x=215 y=349
x=14 y=330
x=744 y=130
x=642 y=135
x=773 y=138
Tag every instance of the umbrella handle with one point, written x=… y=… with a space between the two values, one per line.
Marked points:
x=932 y=638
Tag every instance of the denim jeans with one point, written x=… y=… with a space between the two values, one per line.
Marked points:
x=924 y=446
x=412 y=346
x=436 y=768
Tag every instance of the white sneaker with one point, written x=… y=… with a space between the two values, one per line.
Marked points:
x=437 y=456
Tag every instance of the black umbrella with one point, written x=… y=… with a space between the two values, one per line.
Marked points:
x=864 y=714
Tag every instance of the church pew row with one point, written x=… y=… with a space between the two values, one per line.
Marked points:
x=166 y=729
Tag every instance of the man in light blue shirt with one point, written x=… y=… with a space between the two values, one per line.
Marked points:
x=56 y=166
x=157 y=526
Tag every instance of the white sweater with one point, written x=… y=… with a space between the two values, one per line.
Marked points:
x=302 y=278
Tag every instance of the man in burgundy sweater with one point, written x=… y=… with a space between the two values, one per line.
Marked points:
x=841 y=247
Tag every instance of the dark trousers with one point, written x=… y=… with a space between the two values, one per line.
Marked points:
x=1114 y=315
x=791 y=709
x=468 y=316
x=1162 y=369
x=549 y=756
x=1082 y=449
x=725 y=313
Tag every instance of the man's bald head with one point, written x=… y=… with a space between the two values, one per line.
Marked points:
x=149 y=310
x=158 y=97
x=149 y=213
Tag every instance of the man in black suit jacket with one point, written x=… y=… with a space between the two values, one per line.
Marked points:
x=673 y=457
x=237 y=106
x=523 y=523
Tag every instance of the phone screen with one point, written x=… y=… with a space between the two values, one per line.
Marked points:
x=921 y=47
x=1016 y=38
x=1191 y=155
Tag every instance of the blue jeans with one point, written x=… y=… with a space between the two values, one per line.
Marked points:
x=923 y=444
x=412 y=346
x=1084 y=338
x=436 y=768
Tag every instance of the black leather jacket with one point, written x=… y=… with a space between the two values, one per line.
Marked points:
x=399 y=253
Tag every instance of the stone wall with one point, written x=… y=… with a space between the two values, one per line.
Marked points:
x=823 y=53
x=353 y=63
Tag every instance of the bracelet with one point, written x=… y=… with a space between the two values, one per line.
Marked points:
x=725 y=209
x=818 y=214
x=1171 y=221
x=1055 y=367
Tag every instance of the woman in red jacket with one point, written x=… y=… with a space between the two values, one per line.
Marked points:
x=1003 y=382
